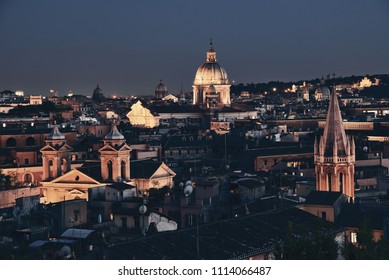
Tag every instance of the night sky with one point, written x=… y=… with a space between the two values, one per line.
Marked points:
x=128 y=46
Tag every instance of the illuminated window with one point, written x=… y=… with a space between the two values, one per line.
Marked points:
x=353 y=237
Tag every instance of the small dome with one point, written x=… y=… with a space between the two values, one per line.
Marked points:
x=114 y=134
x=161 y=87
x=55 y=134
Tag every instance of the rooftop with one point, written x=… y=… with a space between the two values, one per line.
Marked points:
x=237 y=238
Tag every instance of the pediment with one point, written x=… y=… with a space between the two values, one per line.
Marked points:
x=47 y=148
x=125 y=148
x=65 y=147
x=163 y=171
x=75 y=177
x=107 y=148
x=76 y=192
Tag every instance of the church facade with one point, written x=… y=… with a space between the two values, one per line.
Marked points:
x=62 y=184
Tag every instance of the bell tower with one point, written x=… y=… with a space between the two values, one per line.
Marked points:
x=115 y=156
x=335 y=154
x=55 y=155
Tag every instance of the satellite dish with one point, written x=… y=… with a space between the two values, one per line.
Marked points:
x=118 y=179
x=142 y=209
x=65 y=252
x=181 y=185
x=188 y=183
x=99 y=219
x=365 y=149
x=188 y=190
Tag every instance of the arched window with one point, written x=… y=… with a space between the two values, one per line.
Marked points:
x=109 y=167
x=50 y=168
x=64 y=166
x=30 y=141
x=123 y=170
x=27 y=179
x=341 y=182
x=329 y=181
x=11 y=142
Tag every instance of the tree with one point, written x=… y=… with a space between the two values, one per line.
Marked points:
x=366 y=248
x=319 y=245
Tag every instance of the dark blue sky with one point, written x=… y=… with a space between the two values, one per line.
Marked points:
x=127 y=46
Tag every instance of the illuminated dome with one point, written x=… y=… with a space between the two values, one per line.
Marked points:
x=210 y=73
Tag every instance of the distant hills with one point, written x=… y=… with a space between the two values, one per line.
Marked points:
x=280 y=86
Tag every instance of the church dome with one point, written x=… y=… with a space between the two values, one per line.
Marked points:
x=161 y=87
x=211 y=73
x=98 y=94
x=55 y=134
x=114 y=134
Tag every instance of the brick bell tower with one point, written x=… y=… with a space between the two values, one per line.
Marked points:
x=55 y=155
x=115 y=157
x=335 y=154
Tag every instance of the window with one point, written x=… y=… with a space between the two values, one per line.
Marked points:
x=353 y=237
x=27 y=178
x=11 y=142
x=324 y=215
x=329 y=181
x=26 y=161
x=341 y=182
x=76 y=215
x=109 y=167
x=30 y=141
x=265 y=162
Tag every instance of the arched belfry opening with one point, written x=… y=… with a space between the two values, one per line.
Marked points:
x=123 y=172
x=329 y=181
x=110 y=170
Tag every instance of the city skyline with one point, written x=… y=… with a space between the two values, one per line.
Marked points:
x=128 y=47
